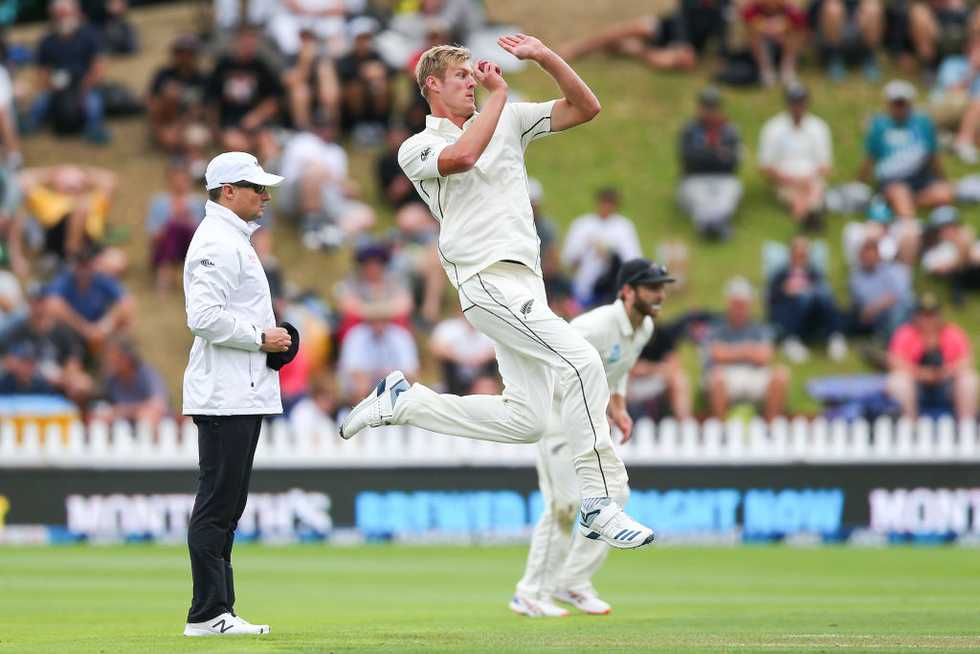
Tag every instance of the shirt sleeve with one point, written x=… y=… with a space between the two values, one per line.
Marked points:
x=212 y=273
x=825 y=145
x=533 y=119
x=902 y=343
x=872 y=142
x=419 y=157
x=767 y=145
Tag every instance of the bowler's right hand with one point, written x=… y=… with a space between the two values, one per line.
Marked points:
x=277 y=339
x=489 y=76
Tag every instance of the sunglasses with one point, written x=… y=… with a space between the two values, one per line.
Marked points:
x=258 y=188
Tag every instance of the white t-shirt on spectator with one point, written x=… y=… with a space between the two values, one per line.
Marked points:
x=589 y=242
x=378 y=352
x=6 y=90
x=795 y=150
x=462 y=339
x=305 y=150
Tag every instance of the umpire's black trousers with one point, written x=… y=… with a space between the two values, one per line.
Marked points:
x=226 y=448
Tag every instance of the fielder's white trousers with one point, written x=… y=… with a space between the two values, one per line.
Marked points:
x=561 y=558
x=540 y=357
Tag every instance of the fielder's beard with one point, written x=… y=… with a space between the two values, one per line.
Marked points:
x=646 y=308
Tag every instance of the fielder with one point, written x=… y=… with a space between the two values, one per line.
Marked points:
x=469 y=168
x=559 y=568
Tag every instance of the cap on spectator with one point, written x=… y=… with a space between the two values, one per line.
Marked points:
x=928 y=303
x=534 y=190
x=639 y=271
x=898 y=90
x=796 y=92
x=709 y=96
x=362 y=26
x=231 y=167
x=185 y=43
x=371 y=249
x=739 y=287
x=944 y=215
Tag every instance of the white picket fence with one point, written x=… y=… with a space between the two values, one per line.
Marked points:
x=799 y=440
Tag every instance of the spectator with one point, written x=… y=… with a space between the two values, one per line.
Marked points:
x=9 y=137
x=397 y=190
x=373 y=291
x=69 y=69
x=931 y=365
x=117 y=33
x=71 y=205
x=661 y=43
x=231 y=14
x=936 y=27
x=315 y=414
x=170 y=223
x=323 y=18
x=710 y=151
x=20 y=374
x=881 y=293
x=415 y=256
x=545 y=227
x=466 y=356
x=318 y=189
x=849 y=27
x=795 y=155
x=367 y=91
x=775 y=25
x=372 y=350
x=312 y=87
x=955 y=101
x=243 y=94
x=952 y=252
x=12 y=306
x=658 y=373
x=596 y=245
x=134 y=391
x=902 y=151
x=176 y=102
x=57 y=350
x=93 y=304
x=802 y=307
x=739 y=359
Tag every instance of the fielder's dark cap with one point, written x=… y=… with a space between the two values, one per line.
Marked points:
x=276 y=360
x=637 y=272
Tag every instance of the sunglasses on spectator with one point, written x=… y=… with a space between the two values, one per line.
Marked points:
x=258 y=188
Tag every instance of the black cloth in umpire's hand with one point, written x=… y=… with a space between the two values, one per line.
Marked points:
x=276 y=360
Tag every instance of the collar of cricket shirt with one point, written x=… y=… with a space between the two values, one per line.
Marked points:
x=228 y=216
x=441 y=124
x=623 y=318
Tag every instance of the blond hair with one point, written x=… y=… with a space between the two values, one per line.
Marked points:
x=436 y=60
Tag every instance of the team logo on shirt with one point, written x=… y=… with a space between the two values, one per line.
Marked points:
x=526 y=307
x=207 y=262
x=615 y=353
x=425 y=153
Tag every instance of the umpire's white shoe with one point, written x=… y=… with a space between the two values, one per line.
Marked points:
x=587 y=602
x=225 y=624
x=376 y=409
x=535 y=608
x=603 y=519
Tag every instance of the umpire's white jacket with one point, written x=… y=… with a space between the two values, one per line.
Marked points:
x=228 y=304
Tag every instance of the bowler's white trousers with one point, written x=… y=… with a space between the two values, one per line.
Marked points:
x=560 y=557
x=540 y=357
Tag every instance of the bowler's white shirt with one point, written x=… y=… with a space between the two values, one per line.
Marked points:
x=795 y=150
x=589 y=240
x=609 y=330
x=484 y=214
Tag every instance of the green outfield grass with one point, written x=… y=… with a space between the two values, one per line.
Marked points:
x=428 y=599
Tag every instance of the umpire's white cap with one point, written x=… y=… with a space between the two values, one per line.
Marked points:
x=231 y=167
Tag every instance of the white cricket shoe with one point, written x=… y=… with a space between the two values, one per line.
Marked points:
x=225 y=624
x=535 y=608
x=606 y=521
x=375 y=409
x=587 y=602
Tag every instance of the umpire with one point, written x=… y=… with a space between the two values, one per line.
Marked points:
x=228 y=386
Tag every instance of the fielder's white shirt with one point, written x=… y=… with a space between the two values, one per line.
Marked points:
x=484 y=213
x=609 y=330
x=795 y=150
